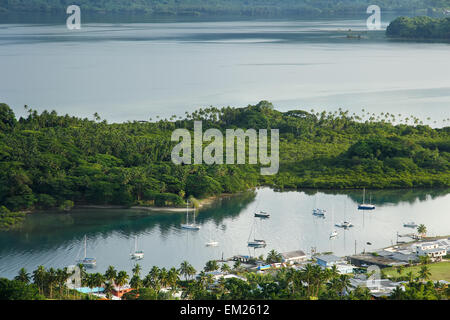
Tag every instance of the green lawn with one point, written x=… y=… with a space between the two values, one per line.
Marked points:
x=439 y=271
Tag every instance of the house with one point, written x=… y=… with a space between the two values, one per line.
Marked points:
x=435 y=250
x=120 y=291
x=328 y=260
x=435 y=254
x=378 y=287
x=294 y=257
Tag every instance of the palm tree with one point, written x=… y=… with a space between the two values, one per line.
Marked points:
x=422 y=230
x=211 y=266
x=400 y=270
x=136 y=282
x=274 y=257
x=137 y=270
x=111 y=274
x=23 y=276
x=225 y=268
x=39 y=276
x=108 y=290
x=424 y=273
x=425 y=259
x=61 y=278
x=184 y=269
x=51 y=280
x=122 y=279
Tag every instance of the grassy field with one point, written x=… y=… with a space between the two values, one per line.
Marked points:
x=439 y=271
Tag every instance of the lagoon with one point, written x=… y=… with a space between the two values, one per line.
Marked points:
x=55 y=239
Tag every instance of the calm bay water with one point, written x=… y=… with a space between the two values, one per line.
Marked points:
x=136 y=71
x=56 y=239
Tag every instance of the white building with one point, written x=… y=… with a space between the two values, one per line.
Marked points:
x=294 y=257
x=436 y=250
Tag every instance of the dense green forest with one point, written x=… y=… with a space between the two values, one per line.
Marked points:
x=220 y=7
x=48 y=160
x=419 y=28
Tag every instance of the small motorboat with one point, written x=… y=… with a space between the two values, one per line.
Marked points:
x=262 y=214
x=345 y=225
x=410 y=225
x=319 y=213
x=212 y=243
x=257 y=243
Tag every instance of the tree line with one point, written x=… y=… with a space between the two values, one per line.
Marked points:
x=306 y=283
x=223 y=7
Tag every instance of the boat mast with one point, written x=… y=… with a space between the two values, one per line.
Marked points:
x=85 y=245
x=187 y=211
x=364 y=196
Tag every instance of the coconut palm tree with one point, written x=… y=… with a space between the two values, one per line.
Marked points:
x=111 y=274
x=23 y=276
x=122 y=279
x=109 y=290
x=39 y=276
x=137 y=270
x=400 y=270
x=422 y=230
x=184 y=269
x=211 y=266
x=225 y=268
x=274 y=257
x=424 y=273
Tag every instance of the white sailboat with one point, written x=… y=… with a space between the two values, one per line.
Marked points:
x=137 y=254
x=187 y=225
x=410 y=225
x=262 y=214
x=317 y=211
x=211 y=242
x=345 y=224
x=255 y=243
x=87 y=262
x=333 y=233
x=364 y=205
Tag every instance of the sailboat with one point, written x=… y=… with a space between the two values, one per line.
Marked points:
x=262 y=214
x=87 y=262
x=137 y=255
x=211 y=242
x=345 y=224
x=190 y=226
x=318 y=212
x=255 y=243
x=333 y=233
x=364 y=205
x=411 y=224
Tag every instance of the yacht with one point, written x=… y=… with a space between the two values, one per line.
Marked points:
x=87 y=262
x=364 y=205
x=137 y=254
x=319 y=213
x=255 y=243
x=187 y=225
x=262 y=214
x=410 y=225
x=345 y=225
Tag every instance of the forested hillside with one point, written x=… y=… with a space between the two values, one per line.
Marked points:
x=47 y=159
x=219 y=7
x=419 y=28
